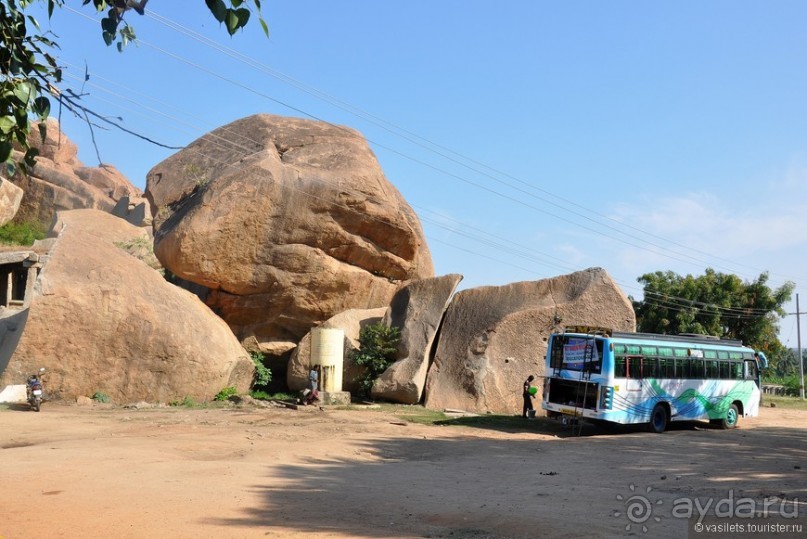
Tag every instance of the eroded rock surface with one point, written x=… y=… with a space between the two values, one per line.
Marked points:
x=285 y=223
x=417 y=309
x=101 y=320
x=10 y=199
x=492 y=338
x=60 y=181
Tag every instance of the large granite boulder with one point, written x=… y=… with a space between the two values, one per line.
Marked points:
x=492 y=338
x=417 y=308
x=351 y=322
x=60 y=181
x=10 y=199
x=284 y=222
x=102 y=320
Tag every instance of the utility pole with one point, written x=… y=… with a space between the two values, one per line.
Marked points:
x=798 y=339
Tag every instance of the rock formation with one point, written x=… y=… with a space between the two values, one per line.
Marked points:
x=102 y=320
x=285 y=223
x=351 y=322
x=10 y=199
x=417 y=308
x=59 y=181
x=492 y=338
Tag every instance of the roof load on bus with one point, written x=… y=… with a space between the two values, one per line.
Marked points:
x=589 y=330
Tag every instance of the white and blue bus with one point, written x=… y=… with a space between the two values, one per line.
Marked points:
x=631 y=378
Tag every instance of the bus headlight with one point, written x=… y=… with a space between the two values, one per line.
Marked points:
x=606 y=397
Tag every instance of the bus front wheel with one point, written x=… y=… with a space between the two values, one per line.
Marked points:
x=658 y=419
x=732 y=417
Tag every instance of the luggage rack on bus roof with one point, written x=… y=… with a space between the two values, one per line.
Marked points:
x=683 y=337
x=588 y=330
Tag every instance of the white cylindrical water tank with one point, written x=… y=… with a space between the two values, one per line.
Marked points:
x=328 y=351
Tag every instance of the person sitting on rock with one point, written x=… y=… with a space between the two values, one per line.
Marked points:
x=311 y=393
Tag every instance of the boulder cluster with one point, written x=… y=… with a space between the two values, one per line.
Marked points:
x=242 y=243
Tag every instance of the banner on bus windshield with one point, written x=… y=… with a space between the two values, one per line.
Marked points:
x=578 y=352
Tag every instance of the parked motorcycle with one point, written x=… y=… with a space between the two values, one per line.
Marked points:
x=34 y=390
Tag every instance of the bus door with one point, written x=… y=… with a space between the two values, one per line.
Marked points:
x=751 y=372
x=633 y=368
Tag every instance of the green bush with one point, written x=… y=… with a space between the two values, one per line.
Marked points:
x=263 y=375
x=187 y=402
x=264 y=396
x=791 y=382
x=22 y=233
x=377 y=347
x=225 y=393
x=100 y=397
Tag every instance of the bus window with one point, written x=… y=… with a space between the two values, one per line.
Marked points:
x=750 y=370
x=725 y=370
x=696 y=368
x=666 y=367
x=634 y=367
x=576 y=353
x=712 y=370
x=737 y=370
x=650 y=367
x=710 y=354
x=689 y=368
x=722 y=354
x=620 y=369
x=682 y=368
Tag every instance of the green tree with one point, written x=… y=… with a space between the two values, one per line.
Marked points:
x=714 y=304
x=787 y=363
x=377 y=347
x=30 y=75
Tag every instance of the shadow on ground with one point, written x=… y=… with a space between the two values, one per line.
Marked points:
x=495 y=488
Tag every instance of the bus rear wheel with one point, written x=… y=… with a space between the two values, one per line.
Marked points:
x=658 y=419
x=732 y=417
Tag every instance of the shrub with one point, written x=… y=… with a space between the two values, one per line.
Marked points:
x=100 y=397
x=377 y=347
x=225 y=393
x=264 y=396
x=22 y=233
x=187 y=402
x=792 y=384
x=263 y=375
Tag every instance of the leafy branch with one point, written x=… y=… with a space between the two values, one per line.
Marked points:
x=30 y=74
x=378 y=345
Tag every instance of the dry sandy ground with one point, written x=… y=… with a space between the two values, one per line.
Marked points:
x=253 y=472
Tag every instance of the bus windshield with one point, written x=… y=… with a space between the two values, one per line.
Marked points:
x=576 y=353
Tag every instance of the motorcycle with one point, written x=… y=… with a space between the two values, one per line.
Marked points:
x=34 y=390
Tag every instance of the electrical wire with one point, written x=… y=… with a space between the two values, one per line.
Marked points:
x=492 y=191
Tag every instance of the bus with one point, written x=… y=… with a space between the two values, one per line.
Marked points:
x=628 y=378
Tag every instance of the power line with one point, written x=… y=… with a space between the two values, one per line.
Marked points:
x=509 y=198
x=654 y=247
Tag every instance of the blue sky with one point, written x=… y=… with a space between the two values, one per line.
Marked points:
x=532 y=138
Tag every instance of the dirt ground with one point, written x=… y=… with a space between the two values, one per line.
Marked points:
x=178 y=472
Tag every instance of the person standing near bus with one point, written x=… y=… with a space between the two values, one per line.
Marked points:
x=528 y=395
